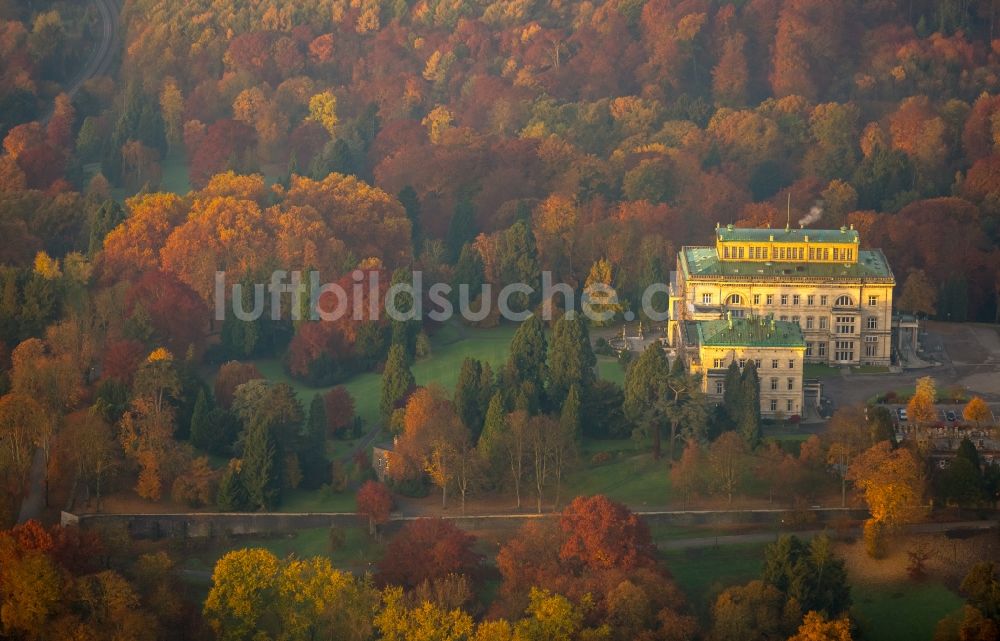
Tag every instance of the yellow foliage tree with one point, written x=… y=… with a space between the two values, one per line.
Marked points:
x=159 y=354
x=920 y=408
x=816 y=627
x=438 y=121
x=172 y=108
x=426 y=622
x=46 y=266
x=598 y=290
x=893 y=486
x=244 y=585
x=976 y=410
x=323 y=109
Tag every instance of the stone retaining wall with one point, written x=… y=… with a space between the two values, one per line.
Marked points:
x=213 y=524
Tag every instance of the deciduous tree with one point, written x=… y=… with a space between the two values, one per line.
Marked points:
x=374 y=504
x=976 y=410
x=426 y=549
x=728 y=463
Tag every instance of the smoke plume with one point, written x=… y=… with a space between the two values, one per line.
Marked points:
x=813 y=216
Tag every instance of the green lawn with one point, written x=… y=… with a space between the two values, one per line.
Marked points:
x=356 y=554
x=819 y=370
x=450 y=345
x=175 y=175
x=610 y=369
x=317 y=501
x=637 y=480
x=704 y=572
x=902 y=612
x=870 y=369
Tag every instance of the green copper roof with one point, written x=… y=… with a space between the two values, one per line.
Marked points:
x=749 y=332
x=755 y=235
x=704 y=261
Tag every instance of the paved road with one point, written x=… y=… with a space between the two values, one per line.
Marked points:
x=767 y=537
x=103 y=54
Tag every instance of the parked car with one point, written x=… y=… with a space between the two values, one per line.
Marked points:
x=901 y=412
x=951 y=416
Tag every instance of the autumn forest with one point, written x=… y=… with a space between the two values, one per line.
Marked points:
x=149 y=146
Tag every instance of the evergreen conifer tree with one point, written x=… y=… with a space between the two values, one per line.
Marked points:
x=397 y=381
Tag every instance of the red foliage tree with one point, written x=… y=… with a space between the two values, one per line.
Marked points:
x=339 y=406
x=42 y=165
x=226 y=145
x=603 y=534
x=121 y=359
x=427 y=549
x=173 y=311
x=230 y=376
x=531 y=558
x=374 y=504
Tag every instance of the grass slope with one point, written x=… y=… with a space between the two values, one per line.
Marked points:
x=902 y=612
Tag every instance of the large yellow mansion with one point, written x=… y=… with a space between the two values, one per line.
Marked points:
x=839 y=294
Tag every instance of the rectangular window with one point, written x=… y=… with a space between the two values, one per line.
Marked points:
x=810 y=300
x=822 y=350
x=822 y=322
x=871 y=349
x=790 y=405
x=764 y=253
x=719 y=363
x=784 y=317
x=741 y=253
x=873 y=322
x=719 y=389
x=706 y=299
x=742 y=362
x=795 y=319
x=756 y=299
x=774 y=363
x=774 y=383
x=871 y=339
x=809 y=350
x=725 y=251
x=836 y=253
x=774 y=405
x=826 y=253
x=872 y=301
x=795 y=299
x=756 y=363
x=791 y=364
x=845 y=324
x=809 y=322
x=823 y=300
x=770 y=299
x=845 y=351
x=791 y=384
x=812 y=254
x=784 y=299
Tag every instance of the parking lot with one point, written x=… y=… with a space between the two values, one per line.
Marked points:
x=968 y=355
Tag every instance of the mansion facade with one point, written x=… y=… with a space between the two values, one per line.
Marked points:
x=777 y=349
x=839 y=295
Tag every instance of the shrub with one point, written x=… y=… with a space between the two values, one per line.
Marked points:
x=600 y=458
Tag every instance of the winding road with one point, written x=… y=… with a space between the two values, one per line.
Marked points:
x=103 y=54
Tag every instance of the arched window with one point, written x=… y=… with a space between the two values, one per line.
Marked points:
x=734 y=299
x=844 y=301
